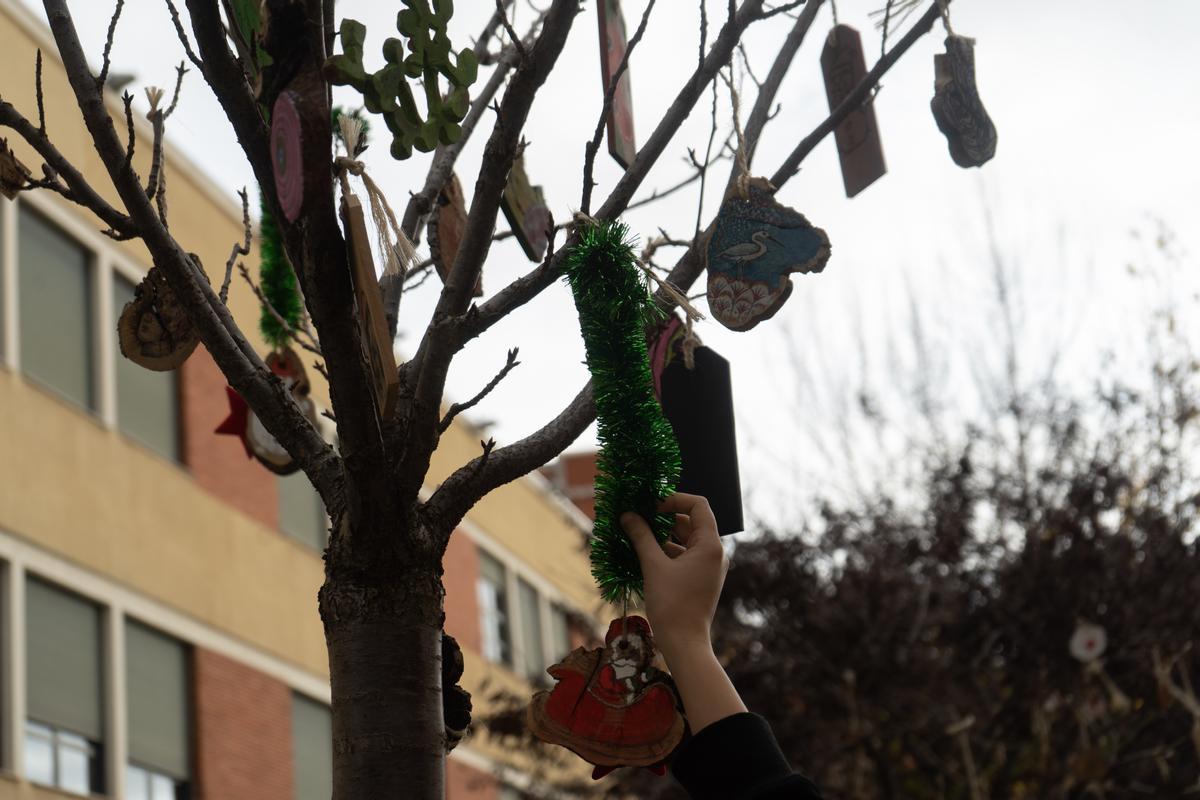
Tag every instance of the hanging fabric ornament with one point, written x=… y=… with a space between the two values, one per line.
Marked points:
x=621 y=144
x=245 y=424
x=446 y=228
x=754 y=245
x=154 y=330
x=529 y=217
x=612 y=706
x=956 y=106
x=857 y=136
x=697 y=399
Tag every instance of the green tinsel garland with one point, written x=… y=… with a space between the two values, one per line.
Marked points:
x=278 y=283
x=638 y=464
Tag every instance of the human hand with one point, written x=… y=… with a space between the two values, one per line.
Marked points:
x=683 y=578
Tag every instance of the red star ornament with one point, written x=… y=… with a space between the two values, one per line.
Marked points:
x=239 y=417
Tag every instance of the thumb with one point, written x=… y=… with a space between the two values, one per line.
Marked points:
x=647 y=547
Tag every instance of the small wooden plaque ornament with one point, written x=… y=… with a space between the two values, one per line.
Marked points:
x=956 y=106
x=857 y=137
x=287 y=155
x=372 y=322
x=621 y=144
x=525 y=208
x=754 y=245
x=153 y=330
x=612 y=706
x=446 y=228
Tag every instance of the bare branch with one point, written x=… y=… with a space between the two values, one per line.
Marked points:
x=856 y=97
x=127 y=99
x=183 y=37
x=239 y=249
x=306 y=342
x=783 y=9
x=41 y=98
x=502 y=14
x=610 y=92
x=108 y=43
x=180 y=71
x=457 y=408
x=659 y=194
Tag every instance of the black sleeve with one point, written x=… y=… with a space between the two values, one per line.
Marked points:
x=737 y=758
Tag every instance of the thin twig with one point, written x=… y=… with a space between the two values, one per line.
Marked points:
x=180 y=71
x=311 y=347
x=41 y=99
x=502 y=13
x=702 y=171
x=610 y=92
x=770 y=12
x=239 y=249
x=108 y=43
x=457 y=408
x=127 y=98
x=183 y=37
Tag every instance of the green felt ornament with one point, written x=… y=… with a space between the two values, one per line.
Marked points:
x=278 y=283
x=638 y=464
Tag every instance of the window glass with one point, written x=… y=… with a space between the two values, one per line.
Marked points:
x=156 y=668
x=312 y=746
x=39 y=753
x=53 y=292
x=147 y=401
x=560 y=633
x=63 y=660
x=531 y=631
x=301 y=512
x=493 y=610
x=65 y=760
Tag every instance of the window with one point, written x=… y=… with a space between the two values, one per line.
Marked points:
x=147 y=402
x=301 y=512
x=532 y=657
x=493 y=609
x=64 y=730
x=509 y=793
x=560 y=633
x=156 y=671
x=312 y=749
x=53 y=292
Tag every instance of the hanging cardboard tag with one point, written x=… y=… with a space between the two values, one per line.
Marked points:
x=857 y=137
x=446 y=228
x=754 y=245
x=372 y=323
x=621 y=144
x=956 y=106
x=698 y=402
x=525 y=208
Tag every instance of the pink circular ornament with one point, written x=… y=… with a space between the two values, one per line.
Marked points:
x=1088 y=642
x=286 y=158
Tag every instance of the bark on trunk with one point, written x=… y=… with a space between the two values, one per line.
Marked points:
x=384 y=640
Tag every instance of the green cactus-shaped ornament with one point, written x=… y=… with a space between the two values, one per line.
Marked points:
x=430 y=57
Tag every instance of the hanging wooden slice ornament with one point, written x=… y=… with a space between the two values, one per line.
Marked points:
x=245 y=424
x=754 y=245
x=859 y=149
x=612 y=706
x=287 y=155
x=956 y=106
x=525 y=208
x=446 y=228
x=621 y=144
x=153 y=330
x=697 y=399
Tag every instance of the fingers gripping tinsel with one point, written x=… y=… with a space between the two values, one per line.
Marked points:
x=638 y=464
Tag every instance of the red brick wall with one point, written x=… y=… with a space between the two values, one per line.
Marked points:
x=574 y=475
x=243 y=732
x=219 y=463
x=461 y=564
x=468 y=783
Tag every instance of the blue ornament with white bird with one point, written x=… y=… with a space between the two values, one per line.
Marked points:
x=755 y=244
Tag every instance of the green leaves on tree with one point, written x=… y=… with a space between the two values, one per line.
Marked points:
x=638 y=464
x=429 y=58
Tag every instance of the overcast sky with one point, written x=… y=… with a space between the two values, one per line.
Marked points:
x=1098 y=110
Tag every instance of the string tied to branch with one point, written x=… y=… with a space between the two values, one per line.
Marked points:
x=398 y=252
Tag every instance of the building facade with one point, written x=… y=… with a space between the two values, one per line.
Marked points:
x=159 y=635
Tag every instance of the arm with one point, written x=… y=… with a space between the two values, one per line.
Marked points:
x=732 y=753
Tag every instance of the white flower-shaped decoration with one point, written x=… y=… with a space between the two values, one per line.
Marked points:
x=1088 y=642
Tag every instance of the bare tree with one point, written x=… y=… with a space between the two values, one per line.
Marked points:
x=382 y=600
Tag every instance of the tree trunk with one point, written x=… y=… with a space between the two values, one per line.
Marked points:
x=384 y=638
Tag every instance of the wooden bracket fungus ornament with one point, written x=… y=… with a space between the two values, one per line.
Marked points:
x=621 y=144
x=245 y=424
x=612 y=706
x=154 y=330
x=857 y=136
x=13 y=174
x=754 y=245
x=957 y=109
x=456 y=701
x=446 y=228
x=525 y=208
